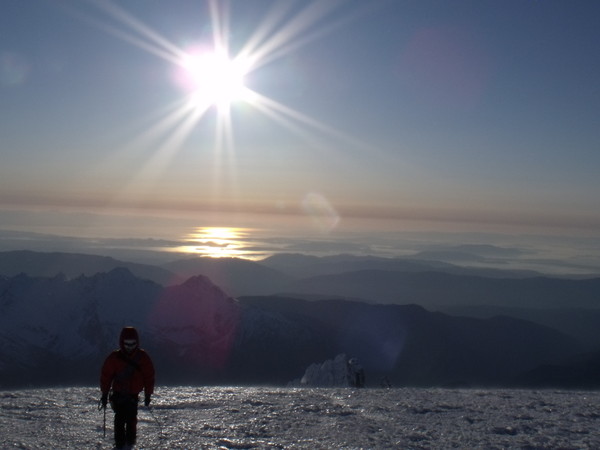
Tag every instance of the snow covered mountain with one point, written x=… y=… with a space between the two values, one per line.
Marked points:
x=432 y=284
x=412 y=346
x=55 y=330
x=58 y=331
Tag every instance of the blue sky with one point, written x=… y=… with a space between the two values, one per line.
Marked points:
x=397 y=115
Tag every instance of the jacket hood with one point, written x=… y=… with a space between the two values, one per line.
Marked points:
x=128 y=333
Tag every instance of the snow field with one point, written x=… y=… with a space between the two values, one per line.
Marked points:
x=315 y=418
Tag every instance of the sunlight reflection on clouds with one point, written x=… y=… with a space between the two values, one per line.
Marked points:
x=226 y=242
x=163 y=239
x=216 y=242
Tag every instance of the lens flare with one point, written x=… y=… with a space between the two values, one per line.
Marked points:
x=320 y=210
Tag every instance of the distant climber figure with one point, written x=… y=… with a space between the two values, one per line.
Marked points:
x=127 y=371
x=356 y=373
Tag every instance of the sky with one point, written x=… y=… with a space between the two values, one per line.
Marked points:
x=337 y=116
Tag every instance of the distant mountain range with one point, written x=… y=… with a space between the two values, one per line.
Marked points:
x=72 y=265
x=304 y=266
x=237 y=321
x=56 y=330
x=236 y=276
x=431 y=284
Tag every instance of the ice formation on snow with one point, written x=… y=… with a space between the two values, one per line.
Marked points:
x=338 y=372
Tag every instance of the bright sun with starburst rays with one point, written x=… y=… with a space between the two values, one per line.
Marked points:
x=214 y=79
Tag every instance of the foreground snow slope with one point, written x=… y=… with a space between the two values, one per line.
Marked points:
x=207 y=417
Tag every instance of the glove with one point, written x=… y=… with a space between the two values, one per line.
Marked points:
x=104 y=400
x=147 y=400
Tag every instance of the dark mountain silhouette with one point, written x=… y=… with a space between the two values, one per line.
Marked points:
x=304 y=266
x=58 y=330
x=75 y=264
x=438 y=290
x=450 y=256
x=412 y=346
x=582 y=324
x=582 y=372
x=567 y=305
x=481 y=250
x=386 y=280
x=234 y=275
x=471 y=253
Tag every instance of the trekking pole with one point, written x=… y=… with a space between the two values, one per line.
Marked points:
x=101 y=406
x=156 y=420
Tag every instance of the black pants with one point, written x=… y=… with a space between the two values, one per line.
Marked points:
x=125 y=407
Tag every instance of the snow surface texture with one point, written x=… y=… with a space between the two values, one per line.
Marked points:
x=240 y=418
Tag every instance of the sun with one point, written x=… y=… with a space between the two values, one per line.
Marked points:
x=212 y=76
x=214 y=79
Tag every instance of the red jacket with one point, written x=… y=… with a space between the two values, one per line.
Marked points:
x=127 y=373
